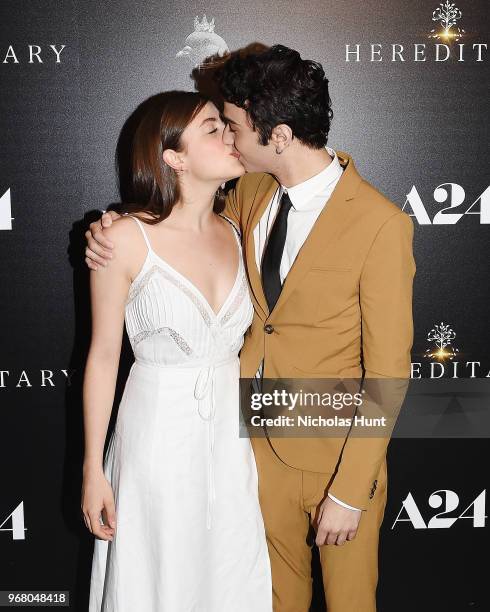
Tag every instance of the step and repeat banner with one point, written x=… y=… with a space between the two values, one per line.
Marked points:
x=409 y=84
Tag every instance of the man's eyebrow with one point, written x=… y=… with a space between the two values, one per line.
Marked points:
x=226 y=119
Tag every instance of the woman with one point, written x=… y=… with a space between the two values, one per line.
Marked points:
x=174 y=505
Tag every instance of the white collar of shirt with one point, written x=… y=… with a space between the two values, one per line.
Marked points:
x=302 y=195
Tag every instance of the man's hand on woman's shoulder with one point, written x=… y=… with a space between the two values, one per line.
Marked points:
x=99 y=248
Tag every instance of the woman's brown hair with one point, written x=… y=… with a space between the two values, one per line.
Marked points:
x=155 y=185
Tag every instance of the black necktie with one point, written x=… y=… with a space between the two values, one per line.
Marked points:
x=271 y=260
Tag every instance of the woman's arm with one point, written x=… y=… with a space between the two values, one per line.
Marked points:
x=108 y=292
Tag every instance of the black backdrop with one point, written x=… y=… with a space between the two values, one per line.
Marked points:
x=412 y=126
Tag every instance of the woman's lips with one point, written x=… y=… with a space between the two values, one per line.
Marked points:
x=237 y=155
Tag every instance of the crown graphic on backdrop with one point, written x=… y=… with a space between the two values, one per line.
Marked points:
x=447 y=15
x=441 y=335
x=202 y=43
x=204 y=25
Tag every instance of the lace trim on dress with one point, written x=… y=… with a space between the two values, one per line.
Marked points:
x=167 y=331
x=236 y=300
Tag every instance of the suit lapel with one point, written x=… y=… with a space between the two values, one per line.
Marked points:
x=321 y=235
x=324 y=230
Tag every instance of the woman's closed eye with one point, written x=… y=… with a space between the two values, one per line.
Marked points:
x=223 y=127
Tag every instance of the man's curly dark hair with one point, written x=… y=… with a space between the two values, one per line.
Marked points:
x=277 y=86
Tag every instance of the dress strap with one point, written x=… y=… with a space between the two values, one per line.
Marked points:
x=239 y=236
x=143 y=231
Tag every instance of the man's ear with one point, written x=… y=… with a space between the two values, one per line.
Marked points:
x=173 y=159
x=281 y=136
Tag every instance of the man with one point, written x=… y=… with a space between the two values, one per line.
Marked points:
x=330 y=268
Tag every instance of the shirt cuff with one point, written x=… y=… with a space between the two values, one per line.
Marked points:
x=343 y=503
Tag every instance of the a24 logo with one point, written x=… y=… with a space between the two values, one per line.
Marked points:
x=16 y=519
x=455 y=195
x=447 y=500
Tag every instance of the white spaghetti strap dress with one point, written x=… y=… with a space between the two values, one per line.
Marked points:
x=189 y=532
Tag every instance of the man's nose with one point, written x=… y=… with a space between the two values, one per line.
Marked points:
x=228 y=137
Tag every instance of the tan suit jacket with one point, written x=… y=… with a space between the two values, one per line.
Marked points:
x=348 y=290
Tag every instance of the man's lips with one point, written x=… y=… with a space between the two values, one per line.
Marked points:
x=237 y=155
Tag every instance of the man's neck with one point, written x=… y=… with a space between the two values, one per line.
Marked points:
x=301 y=166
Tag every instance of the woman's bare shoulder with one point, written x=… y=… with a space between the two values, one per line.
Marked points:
x=125 y=227
x=128 y=242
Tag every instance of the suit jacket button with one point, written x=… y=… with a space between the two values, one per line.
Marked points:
x=268 y=328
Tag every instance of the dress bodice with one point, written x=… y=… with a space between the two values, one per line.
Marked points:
x=170 y=322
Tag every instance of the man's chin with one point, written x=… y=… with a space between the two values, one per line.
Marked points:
x=255 y=167
x=248 y=167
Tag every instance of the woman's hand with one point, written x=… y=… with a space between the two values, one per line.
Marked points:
x=97 y=499
x=99 y=248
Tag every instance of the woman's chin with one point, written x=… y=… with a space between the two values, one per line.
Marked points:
x=238 y=170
